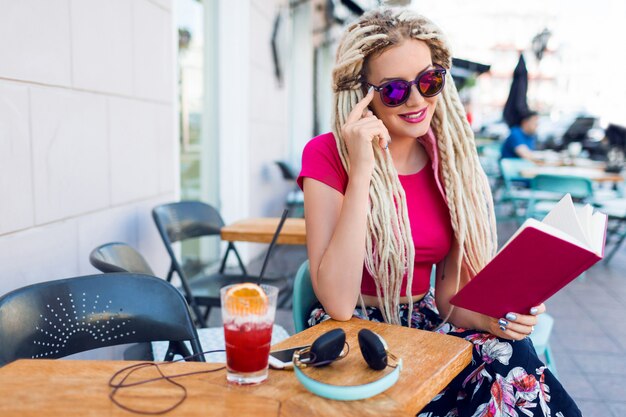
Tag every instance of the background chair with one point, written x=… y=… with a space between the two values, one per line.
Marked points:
x=119 y=257
x=515 y=188
x=616 y=229
x=580 y=188
x=180 y=221
x=58 y=318
x=303 y=297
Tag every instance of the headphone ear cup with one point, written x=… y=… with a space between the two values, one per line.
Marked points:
x=373 y=349
x=328 y=346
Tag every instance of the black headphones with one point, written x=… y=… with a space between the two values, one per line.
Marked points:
x=331 y=347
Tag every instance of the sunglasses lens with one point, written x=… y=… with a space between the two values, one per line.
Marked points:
x=431 y=83
x=395 y=92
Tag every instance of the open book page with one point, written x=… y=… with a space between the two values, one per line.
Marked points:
x=598 y=225
x=564 y=217
x=580 y=227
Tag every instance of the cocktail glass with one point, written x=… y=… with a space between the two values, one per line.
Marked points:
x=248 y=314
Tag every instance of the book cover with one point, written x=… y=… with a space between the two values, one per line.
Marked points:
x=537 y=262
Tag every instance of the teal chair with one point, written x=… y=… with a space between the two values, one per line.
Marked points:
x=515 y=188
x=541 y=340
x=581 y=189
x=304 y=299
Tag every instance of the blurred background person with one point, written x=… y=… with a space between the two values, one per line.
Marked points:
x=521 y=142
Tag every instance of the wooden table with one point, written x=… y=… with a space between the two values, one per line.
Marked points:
x=593 y=174
x=71 y=388
x=261 y=230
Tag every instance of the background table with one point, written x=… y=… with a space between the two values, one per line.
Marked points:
x=79 y=388
x=261 y=230
x=593 y=174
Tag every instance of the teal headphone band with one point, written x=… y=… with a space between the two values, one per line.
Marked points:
x=330 y=348
x=349 y=393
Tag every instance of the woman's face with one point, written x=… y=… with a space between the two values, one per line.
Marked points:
x=404 y=61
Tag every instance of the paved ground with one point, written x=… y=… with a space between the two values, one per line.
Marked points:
x=589 y=336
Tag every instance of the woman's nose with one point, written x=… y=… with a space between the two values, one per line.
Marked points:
x=415 y=98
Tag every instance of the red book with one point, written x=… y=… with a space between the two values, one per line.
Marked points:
x=539 y=259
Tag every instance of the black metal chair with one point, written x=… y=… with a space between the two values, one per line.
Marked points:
x=58 y=318
x=119 y=257
x=184 y=220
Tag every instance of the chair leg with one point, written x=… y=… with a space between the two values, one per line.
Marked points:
x=231 y=246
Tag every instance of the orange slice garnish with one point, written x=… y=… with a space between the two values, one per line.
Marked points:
x=245 y=299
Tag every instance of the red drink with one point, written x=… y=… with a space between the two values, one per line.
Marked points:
x=248 y=312
x=247 y=346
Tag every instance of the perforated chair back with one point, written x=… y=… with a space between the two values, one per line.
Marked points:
x=58 y=318
x=119 y=257
x=303 y=297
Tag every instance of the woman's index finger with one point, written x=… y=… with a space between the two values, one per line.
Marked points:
x=357 y=110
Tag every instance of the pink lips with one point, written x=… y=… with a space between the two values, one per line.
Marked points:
x=418 y=116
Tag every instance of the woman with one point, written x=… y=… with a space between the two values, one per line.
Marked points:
x=397 y=188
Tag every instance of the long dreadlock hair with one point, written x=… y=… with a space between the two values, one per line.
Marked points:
x=389 y=245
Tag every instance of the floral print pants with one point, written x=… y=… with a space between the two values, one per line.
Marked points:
x=504 y=379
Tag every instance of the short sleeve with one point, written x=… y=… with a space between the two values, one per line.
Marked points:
x=321 y=162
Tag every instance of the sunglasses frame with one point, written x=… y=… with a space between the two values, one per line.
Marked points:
x=415 y=82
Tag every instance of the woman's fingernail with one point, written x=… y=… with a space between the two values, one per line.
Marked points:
x=534 y=311
x=387 y=146
x=503 y=323
x=369 y=90
x=503 y=328
x=511 y=316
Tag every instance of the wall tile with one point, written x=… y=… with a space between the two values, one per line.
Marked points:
x=16 y=209
x=114 y=225
x=70 y=153
x=152 y=51
x=167 y=147
x=134 y=150
x=102 y=53
x=35 y=41
x=38 y=254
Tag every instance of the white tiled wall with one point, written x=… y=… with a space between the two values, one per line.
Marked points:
x=35 y=41
x=102 y=63
x=87 y=132
x=16 y=200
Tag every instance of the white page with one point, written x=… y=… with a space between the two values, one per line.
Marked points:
x=563 y=217
x=584 y=214
x=598 y=225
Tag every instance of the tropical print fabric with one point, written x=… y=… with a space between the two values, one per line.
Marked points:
x=506 y=378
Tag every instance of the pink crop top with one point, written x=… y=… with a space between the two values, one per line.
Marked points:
x=428 y=212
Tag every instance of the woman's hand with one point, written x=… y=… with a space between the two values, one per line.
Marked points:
x=514 y=326
x=360 y=129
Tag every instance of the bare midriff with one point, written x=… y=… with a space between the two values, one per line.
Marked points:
x=372 y=300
